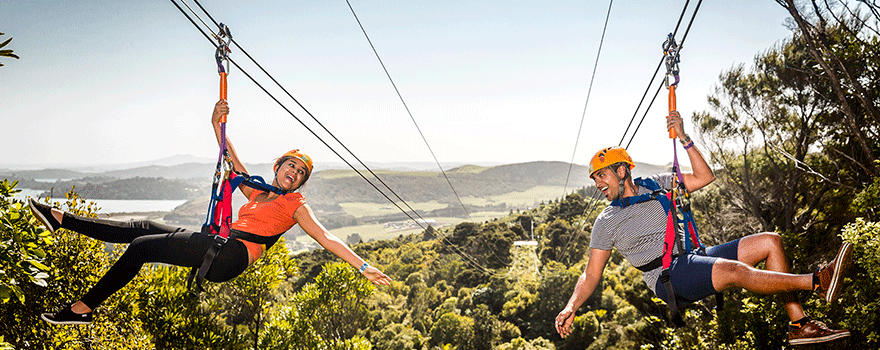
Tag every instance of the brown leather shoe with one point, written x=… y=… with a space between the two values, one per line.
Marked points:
x=814 y=332
x=831 y=274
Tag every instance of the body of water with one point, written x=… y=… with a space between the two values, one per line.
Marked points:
x=115 y=205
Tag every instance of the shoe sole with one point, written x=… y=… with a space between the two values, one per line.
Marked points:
x=826 y=338
x=841 y=263
x=43 y=316
x=39 y=215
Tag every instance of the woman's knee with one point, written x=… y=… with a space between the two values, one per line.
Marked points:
x=154 y=227
x=145 y=247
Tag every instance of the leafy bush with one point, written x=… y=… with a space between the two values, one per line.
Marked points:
x=325 y=314
x=74 y=263
x=867 y=202
x=22 y=258
x=862 y=296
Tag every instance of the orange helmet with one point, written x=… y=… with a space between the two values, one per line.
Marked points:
x=609 y=156
x=295 y=154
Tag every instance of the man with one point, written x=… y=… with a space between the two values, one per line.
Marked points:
x=637 y=231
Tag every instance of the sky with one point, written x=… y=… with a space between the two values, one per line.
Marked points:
x=108 y=82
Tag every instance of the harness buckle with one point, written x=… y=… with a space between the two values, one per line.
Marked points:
x=219 y=241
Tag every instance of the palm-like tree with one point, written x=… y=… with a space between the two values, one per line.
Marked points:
x=6 y=53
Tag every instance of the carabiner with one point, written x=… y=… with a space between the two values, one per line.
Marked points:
x=224 y=37
x=670 y=51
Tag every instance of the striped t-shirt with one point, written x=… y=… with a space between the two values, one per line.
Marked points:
x=637 y=231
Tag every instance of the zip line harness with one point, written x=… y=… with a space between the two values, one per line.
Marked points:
x=226 y=180
x=676 y=204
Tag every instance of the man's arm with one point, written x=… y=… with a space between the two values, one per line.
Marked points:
x=585 y=287
x=702 y=174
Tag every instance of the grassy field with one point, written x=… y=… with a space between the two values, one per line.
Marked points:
x=360 y=210
x=531 y=197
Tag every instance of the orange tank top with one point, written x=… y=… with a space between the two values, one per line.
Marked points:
x=267 y=218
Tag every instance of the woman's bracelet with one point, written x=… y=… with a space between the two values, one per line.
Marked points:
x=364 y=267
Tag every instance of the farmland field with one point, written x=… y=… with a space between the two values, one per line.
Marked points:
x=531 y=197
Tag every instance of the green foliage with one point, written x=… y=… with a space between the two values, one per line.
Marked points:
x=325 y=314
x=247 y=297
x=74 y=264
x=867 y=202
x=863 y=308
x=7 y=52
x=487 y=328
x=573 y=205
x=228 y=315
x=563 y=243
x=865 y=237
x=396 y=336
x=452 y=328
x=177 y=320
x=523 y=344
x=585 y=330
x=551 y=294
x=22 y=258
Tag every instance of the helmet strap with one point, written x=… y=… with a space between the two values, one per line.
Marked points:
x=621 y=181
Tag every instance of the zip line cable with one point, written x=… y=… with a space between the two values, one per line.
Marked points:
x=592 y=207
x=407 y=109
x=462 y=254
x=334 y=137
x=595 y=201
x=399 y=95
x=584 y=114
x=654 y=76
x=680 y=46
x=313 y=118
x=639 y=125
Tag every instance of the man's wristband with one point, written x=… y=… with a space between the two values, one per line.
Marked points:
x=364 y=267
x=687 y=139
x=689 y=145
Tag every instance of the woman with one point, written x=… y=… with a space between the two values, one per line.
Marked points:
x=266 y=214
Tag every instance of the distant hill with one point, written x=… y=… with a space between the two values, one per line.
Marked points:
x=345 y=185
x=340 y=186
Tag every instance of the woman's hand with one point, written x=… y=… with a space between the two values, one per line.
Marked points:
x=220 y=109
x=377 y=277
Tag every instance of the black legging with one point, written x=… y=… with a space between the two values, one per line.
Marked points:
x=153 y=242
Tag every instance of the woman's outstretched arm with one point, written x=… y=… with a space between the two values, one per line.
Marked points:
x=306 y=219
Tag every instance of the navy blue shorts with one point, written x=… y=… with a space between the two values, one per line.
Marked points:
x=692 y=274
